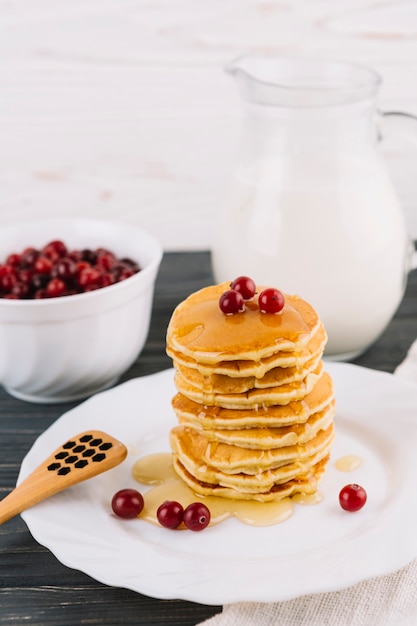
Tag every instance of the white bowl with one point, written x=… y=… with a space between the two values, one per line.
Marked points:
x=62 y=349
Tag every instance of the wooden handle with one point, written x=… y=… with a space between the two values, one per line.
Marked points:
x=81 y=457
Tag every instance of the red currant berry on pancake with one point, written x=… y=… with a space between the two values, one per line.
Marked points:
x=245 y=286
x=231 y=302
x=271 y=300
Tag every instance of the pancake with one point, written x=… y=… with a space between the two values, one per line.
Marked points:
x=264 y=438
x=222 y=384
x=233 y=465
x=306 y=485
x=295 y=412
x=240 y=368
x=254 y=398
x=198 y=328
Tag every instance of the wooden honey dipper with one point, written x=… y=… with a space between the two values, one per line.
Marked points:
x=81 y=457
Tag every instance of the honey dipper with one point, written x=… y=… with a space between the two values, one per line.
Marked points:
x=81 y=457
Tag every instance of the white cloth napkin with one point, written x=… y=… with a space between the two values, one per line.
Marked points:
x=383 y=601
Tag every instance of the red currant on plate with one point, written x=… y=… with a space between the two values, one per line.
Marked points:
x=127 y=503
x=231 y=302
x=271 y=300
x=196 y=516
x=170 y=514
x=352 y=497
x=245 y=286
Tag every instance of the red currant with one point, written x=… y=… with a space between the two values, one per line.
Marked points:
x=231 y=302
x=5 y=270
x=55 y=249
x=56 y=287
x=64 y=268
x=39 y=281
x=127 y=503
x=25 y=276
x=126 y=273
x=105 y=259
x=40 y=294
x=245 y=286
x=89 y=255
x=20 y=289
x=42 y=265
x=170 y=514
x=13 y=259
x=352 y=497
x=122 y=270
x=131 y=264
x=89 y=276
x=29 y=256
x=7 y=281
x=92 y=287
x=196 y=516
x=107 y=279
x=82 y=265
x=74 y=255
x=271 y=301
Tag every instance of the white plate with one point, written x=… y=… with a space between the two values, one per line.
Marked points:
x=320 y=548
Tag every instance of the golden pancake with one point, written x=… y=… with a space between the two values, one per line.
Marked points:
x=296 y=412
x=216 y=462
x=264 y=438
x=243 y=368
x=200 y=330
x=256 y=483
x=282 y=394
x=306 y=484
x=221 y=384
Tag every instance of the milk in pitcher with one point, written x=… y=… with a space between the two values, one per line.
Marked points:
x=331 y=245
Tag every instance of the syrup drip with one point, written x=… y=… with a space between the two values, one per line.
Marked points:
x=157 y=470
x=348 y=463
x=308 y=498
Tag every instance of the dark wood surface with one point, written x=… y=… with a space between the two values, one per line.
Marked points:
x=35 y=588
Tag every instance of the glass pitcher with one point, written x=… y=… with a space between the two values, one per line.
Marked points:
x=311 y=208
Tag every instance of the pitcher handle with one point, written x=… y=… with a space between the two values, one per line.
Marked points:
x=402 y=116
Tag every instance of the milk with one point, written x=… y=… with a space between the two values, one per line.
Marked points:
x=330 y=230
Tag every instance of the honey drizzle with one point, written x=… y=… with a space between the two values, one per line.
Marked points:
x=348 y=463
x=157 y=470
x=308 y=498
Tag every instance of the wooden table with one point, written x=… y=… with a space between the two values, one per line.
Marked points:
x=35 y=588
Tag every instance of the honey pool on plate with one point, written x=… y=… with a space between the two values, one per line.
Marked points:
x=157 y=470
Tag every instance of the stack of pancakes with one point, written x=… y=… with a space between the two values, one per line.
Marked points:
x=254 y=405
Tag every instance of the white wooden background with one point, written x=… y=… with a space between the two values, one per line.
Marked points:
x=121 y=108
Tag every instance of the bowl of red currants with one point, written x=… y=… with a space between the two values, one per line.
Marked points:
x=75 y=305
